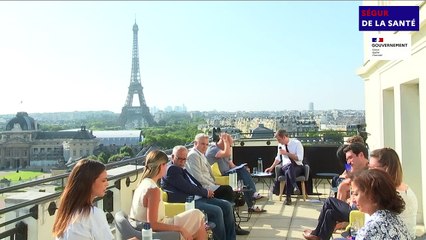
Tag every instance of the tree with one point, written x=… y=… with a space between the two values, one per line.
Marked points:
x=116 y=157
x=169 y=136
x=127 y=151
x=103 y=157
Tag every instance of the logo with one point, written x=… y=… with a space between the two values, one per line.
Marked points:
x=389 y=18
x=390 y=46
x=377 y=39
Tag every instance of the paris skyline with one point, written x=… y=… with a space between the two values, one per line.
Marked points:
x=225 y=56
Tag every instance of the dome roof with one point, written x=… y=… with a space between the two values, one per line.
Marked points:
x=23 y=121
x=262 y=132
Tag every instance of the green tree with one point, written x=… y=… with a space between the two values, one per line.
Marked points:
x=103 y=157
x=127 y=151
x=116 y=157
x=166 y=137
x=92 y=157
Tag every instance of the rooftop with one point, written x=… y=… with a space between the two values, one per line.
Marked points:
x=288 y=222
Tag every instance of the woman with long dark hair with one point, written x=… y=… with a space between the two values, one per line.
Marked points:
x=77 y=218
x=387 y=159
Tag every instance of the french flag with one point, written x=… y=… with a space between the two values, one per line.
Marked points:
x=377 y=39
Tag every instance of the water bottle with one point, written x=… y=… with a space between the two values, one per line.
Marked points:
x=270 y=193
x=146 y=231
x=260 y=165
x=235 y=179
x=355 y=226
x=189 y=204
x=231 y=179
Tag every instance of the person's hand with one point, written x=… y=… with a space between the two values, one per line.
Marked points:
x=268 y=170
x=282 y=151
x=343 y=190
x=186 y=235
x=210 y=194
x=230 y=140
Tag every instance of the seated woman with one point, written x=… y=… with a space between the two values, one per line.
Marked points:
x=374 y=193
x=387 y=159
x=77 y=218
x=147 y=205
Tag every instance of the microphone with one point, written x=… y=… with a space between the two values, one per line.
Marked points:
x=281 y=156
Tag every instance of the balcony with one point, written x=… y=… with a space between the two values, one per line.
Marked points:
x=29 y=208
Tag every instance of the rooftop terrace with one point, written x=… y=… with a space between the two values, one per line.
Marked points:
x=279 y=222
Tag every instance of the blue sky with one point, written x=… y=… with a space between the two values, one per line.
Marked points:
x=226 y=56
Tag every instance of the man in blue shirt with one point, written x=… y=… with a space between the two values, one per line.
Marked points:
x=220 y=151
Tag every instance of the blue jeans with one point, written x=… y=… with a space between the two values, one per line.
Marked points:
x=244 y=175
x=221 y=213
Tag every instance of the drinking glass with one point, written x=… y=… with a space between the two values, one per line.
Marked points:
x=240 y=185
x=254 y=170
x=206 y=220
x=355 y=226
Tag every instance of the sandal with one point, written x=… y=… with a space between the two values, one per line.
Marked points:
x=256 y=210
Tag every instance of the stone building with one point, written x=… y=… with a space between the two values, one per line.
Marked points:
x=24 y=145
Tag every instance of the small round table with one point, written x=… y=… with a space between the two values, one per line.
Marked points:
x=263 y=177
x=322 y=176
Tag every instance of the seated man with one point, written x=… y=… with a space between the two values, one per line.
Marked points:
x=290 y=155
x=336 y=210
x=220 y=152
x=179 y=184
x=341 y=157
x=199 y=168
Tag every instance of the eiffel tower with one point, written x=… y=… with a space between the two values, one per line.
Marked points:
x=135 y=116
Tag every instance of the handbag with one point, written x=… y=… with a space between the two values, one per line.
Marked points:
x=239 y=199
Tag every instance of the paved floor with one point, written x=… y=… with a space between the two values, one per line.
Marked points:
x=285 y=222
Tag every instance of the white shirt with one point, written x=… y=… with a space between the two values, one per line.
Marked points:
x=410 y=213
x=295 y=147
x=91 y=227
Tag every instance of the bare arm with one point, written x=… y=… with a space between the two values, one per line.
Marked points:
x=152 y=201
x=226 y=151
x=343 y=190
x=272 y=167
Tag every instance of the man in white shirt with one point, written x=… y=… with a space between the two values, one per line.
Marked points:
x=290 y=155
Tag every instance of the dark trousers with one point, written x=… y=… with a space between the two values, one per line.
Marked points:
x=225 y=192
x=291 y=171
x=333 y=210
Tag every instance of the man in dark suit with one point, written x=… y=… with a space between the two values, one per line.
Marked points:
x=178 y=183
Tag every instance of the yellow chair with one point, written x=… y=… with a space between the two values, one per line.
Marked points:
x=172 y=209
x=219 y=179
x=356 y=218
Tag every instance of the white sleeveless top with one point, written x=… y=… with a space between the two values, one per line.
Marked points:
x=138 y=211
x=409 y=214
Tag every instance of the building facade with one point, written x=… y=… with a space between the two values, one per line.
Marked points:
x=395 y=90
x=23 y=145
